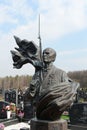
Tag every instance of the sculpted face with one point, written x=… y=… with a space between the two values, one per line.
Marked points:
x=49 y=55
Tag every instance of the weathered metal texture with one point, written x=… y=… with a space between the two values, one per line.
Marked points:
x=51 y=92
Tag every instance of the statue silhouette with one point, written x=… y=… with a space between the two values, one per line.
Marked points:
x=53 y=91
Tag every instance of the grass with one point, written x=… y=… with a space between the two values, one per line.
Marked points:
x=65 y=117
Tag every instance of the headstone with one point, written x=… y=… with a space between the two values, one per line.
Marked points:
x=78 y=113
x=0 y=90
x=48 y=125
x=20 y=98
x=10 y=96
x=13 y=96
x=7 y=95
x=28 y=111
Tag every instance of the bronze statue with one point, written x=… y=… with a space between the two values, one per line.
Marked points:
x=51 y=90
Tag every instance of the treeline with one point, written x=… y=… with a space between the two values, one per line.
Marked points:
x=23 y=81
x=79 y=76
x=15 y=82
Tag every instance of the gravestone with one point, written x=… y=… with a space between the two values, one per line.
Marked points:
x=10 y=96
x=20 y=98
x=28 y=110
x=1 y=90
x=13 y=96
x=7 y=95
x=78 y=113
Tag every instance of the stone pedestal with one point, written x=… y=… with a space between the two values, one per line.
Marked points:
x=48 y=125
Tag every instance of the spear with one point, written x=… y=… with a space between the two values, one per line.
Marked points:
x=41 y=57
x=39 y=37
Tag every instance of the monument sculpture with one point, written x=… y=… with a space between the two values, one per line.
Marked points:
x=50 y=90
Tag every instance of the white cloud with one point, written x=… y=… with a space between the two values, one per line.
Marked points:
x=5 y=16
x=61 y=17
x=12 y=10
x=70 y=52
x=21 y=7
x=72 y=64
x=58 y=18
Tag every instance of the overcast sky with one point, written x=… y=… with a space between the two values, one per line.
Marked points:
x=63 y=28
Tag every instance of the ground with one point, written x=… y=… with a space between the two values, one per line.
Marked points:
x=17 y=126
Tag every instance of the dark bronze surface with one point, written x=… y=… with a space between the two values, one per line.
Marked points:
x=50 y=90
